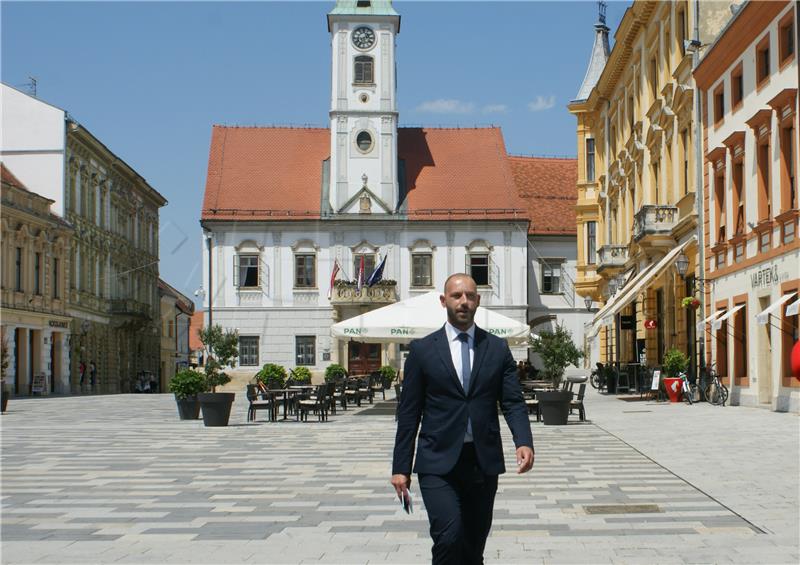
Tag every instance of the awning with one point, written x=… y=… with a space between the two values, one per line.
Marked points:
x=793 y=308
x=598 y=320
x=711 y=318
x=416 y=317
x=645 y=277
x=717 y=324
x=763 y=317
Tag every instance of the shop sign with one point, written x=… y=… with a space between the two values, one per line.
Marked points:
x=764 y=277
x=58 y=324
x=627 y=323
x=650 y=324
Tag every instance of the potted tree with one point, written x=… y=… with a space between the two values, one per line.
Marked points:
x=557 y=351
x=272 y=376
x=334 y=372
x=3 y=366
x=222 y=350
x=388 y=375
x=186 y=385
x=675 y=363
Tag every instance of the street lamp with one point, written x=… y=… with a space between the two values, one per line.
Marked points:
x=588 y=301
x=682 y=264
x=612 y=286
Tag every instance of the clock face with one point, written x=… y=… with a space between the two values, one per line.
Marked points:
x=363 y=37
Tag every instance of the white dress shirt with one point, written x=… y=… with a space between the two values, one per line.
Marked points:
x=455 y=354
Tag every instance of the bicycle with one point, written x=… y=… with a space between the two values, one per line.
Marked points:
x=598 y=377
x=715 y=392
x=687 y=389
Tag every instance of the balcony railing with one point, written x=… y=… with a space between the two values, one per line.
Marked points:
x=654 y=220
x=385 y=292
x=612 y=256
x=128 y=307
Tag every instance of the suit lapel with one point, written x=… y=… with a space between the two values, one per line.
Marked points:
x=481 y=344
x=443 y=347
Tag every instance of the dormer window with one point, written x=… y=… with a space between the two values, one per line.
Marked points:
x=363 y=70
x=363 y=4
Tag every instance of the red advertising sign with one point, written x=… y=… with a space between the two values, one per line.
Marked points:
x=650 y=324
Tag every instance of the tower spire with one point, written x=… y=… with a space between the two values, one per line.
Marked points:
x=600 y=51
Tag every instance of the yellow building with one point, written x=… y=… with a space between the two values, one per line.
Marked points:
x=637 y=210
x=35 y=267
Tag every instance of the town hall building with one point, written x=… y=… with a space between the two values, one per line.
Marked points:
x=284 y=207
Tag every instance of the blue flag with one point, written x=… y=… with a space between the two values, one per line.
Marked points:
x=377 y=274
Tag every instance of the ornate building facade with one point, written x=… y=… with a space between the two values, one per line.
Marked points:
x=638 y=203
x=35 y=268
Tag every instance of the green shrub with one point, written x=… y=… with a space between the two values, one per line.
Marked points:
x=557 y=351
x=388 y=374
x=272 y=375
x=302 y=375
x=187 y=383
x=334 y=372
x=675 y=361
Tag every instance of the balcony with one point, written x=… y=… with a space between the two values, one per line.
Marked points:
x=346 y=294
x=654 y=223
x=128 y=307
x=611 y=257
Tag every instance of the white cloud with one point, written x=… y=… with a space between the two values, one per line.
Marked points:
x=542 y=103
x=446 y=106
x=495 y=109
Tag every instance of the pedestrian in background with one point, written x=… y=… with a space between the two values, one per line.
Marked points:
x=92 y=373
x=82 y=372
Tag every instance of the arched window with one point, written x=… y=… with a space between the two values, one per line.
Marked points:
x=363 y=70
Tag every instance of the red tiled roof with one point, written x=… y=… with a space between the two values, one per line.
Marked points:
x=196 y=323
x=9 y=178
x=548 y=187
x=276 y=173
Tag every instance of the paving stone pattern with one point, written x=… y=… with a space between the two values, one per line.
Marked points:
x=119 y=478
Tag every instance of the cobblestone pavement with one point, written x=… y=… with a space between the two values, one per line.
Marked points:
x=119 y=479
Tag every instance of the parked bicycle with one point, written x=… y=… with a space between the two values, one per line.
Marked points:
x=688 y=389
x=715 y=392
x=598 y=377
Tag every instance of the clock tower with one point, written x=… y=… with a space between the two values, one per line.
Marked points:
x=363 y=165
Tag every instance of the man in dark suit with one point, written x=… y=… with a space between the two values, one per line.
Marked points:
x=453 y=380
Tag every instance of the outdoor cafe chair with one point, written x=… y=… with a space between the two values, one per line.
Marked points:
x=316 y=402
x=376 y=384
x=365 y=388
x=354 y=391
x=266 y=403
x=578 y=403
x=533 y=405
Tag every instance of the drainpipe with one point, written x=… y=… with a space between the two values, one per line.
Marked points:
x=699 y=189
x=210 y=282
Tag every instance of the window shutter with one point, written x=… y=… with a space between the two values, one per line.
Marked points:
x=263 y=275
x=236 y=270
x=494 y=275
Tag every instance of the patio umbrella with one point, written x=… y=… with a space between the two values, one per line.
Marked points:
x=416 y=317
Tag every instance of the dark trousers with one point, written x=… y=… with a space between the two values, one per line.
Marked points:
x=459 y=506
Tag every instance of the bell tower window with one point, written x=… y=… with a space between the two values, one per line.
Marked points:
x=363 y=70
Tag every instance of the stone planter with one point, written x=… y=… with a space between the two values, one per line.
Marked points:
x=188 y=408
x=4 y=395
x=554 y=406
x=216 y=407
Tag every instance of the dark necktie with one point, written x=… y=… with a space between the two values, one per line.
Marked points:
x=463 y=337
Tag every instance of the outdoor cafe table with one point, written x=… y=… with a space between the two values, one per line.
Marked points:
x=286 y=392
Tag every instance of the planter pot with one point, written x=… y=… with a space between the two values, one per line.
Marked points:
x=216 y=407
x=674 y=390
x=4 y=394
x=554 y=406
x=611 y=384
x=188 y=408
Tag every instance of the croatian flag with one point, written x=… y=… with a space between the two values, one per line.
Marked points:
x=333 y=276
x=360 y=280
x=377 y=274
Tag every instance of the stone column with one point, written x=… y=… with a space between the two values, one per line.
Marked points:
x=22 y=387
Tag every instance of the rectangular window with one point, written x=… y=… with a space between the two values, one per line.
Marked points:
x=685 y=151
x=787 y=38
x=762 y=61
x=363 y=70
x=719 y=203
x=737 y=87
x=720 y=259
x=479 y=268
x=719 y=104
x=740 y=349
x=56 y=280
x=421 y=269
x=37 y=273
x=765 y=241
x=591 y=243
x=304 y=346
x=788 y=181
x=248 y=350
x=681 y=15
x=369 y=264
x=788 y=232
x=304 y=275
x=738 y=197
x=551 y=276
x=653 y=78
x=764 y=206
x=18 y=270
x=248 y=271
x=590 y=160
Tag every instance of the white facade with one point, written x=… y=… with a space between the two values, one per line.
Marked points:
x=33 y=144
x=758 y=266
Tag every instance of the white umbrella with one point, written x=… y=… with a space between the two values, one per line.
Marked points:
x=417 y=317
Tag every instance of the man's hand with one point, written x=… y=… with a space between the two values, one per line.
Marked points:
x=401 y=484
x=524 y=459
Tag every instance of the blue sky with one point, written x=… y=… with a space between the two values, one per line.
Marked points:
x=149 y=79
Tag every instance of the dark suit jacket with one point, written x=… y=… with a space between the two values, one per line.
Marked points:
x=433 y=393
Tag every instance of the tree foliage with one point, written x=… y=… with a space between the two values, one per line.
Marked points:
x=222 y=350
x=557 y=351
x=675 y=361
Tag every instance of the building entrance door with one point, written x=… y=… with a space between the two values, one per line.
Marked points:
x=363 y=358
x=764 y=357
